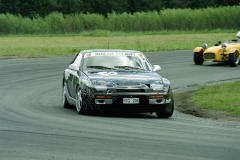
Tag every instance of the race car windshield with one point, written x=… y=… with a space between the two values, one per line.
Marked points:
x=230 y=41
x=118 y=62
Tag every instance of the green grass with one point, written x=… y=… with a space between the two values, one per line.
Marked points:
x=221 y=97
x=67 y=44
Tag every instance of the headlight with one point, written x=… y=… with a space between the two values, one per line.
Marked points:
x=157 y=87
x=88 y=83
x=162 y=86
x=98 y=85
x=204 y=45
x=224 y=46
x=166 y=84
x=101 y=87
x=165 y=87
x=166 y=81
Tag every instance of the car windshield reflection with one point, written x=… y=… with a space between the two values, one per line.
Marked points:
x=115 y=62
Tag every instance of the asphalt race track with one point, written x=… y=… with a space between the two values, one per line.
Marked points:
x=34 y=125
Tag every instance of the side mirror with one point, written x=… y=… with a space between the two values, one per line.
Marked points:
x=156 y=68
x=73 y=67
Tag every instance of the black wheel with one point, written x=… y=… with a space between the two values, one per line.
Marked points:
x=64 y=98
x=79 y=102
x=234 y=59
x=168 y=110
x=198 y=58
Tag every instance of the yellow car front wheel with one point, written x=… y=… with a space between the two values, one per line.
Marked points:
x=234 y=59
x=198 y=58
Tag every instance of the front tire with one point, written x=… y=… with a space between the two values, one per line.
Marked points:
x=234 y=59
x=168 y=110
x=79 y=102
x=198 y=58
x=64 y=98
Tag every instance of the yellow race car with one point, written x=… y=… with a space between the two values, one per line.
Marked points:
x=229 y=52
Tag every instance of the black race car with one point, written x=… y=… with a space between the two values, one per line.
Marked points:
x=116 y=81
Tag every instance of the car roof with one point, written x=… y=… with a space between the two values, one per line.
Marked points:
x=109 y=50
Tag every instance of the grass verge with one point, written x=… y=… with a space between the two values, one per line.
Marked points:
x=220 y=97
x=58 y=45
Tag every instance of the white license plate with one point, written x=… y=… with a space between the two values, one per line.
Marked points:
x=130 y=100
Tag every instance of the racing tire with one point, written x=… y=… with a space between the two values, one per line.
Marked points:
x=79 y=102
x=166 y=113
x=64 y=98
x=234 y=59
x=198 y=58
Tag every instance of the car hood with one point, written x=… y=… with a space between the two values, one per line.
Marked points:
x=126 y=80
x=125 y=77
x=213 y=48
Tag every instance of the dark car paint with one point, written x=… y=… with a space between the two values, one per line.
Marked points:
x=119 y=84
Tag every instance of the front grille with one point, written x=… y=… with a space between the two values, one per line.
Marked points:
x=209 y=56
x=130 y=90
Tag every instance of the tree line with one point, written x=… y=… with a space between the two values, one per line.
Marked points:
x=42 y=8
x=211 y=18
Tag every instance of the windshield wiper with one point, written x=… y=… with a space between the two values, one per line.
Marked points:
x=101 y=67
x=128 y=67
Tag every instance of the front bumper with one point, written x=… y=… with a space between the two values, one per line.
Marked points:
x=145 y=103
x=216 y=57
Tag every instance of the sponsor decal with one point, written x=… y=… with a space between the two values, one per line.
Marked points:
x=109 y=54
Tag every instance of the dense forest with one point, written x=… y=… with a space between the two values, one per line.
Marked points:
x=42 y=8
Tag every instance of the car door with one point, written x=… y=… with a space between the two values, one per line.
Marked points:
x=74 y=82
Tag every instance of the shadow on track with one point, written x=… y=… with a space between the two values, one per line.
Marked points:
x=117 y=114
